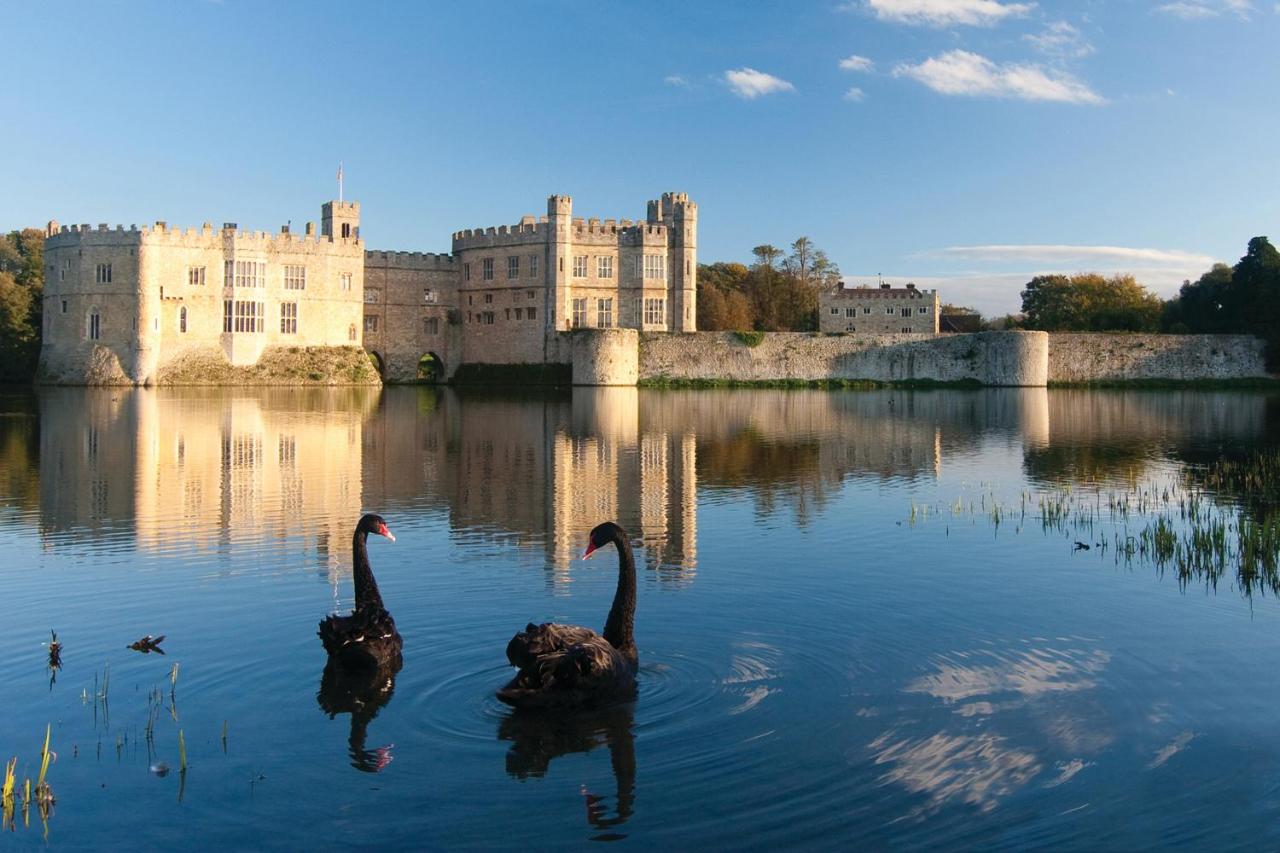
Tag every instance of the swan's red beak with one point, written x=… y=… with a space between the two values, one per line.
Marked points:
x=591 y=549
x=383 y=531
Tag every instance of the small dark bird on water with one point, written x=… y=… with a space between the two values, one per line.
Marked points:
x=148 y=644
x=1081 y=546
x=368 y=637
x=566 y=665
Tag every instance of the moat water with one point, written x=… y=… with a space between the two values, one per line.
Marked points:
x=863 y=620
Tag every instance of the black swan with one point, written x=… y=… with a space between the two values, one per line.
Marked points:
x=367 y=639
x=362 y=693
x=565 y=665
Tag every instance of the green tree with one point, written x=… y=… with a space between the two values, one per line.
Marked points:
x=1090 y=303
x=21 y=297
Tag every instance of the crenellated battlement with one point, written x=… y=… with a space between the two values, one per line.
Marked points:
x=204 y=237
x=427 y=261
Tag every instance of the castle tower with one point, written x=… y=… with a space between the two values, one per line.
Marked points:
x=560 y=247
x=680 y=216
x=340 y=220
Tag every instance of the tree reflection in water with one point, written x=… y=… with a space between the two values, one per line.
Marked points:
x=537 y=738
x=362 y=694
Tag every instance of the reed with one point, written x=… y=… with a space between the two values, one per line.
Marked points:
x=182 y=752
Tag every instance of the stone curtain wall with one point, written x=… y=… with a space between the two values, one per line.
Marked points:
x=991 y=358
x=1119 y=357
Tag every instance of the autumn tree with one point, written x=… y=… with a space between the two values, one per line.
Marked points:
x=21 y=292
x=1090 y=303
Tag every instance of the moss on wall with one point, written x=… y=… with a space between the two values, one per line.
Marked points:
x=277 y=366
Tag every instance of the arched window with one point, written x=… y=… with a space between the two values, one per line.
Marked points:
x=93 y=329
x=182 y=319
x=351 y=332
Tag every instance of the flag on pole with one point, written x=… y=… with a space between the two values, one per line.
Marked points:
x=339 y=180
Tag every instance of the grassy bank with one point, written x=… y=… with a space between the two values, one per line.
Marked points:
x=277 y=366
x=1252 y=383
x=669 y=382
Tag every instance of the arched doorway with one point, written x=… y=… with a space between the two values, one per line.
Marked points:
x=430 y=368
x=376 y=361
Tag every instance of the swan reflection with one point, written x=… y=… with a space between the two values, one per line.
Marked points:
x=537 y=738
x=362 y=693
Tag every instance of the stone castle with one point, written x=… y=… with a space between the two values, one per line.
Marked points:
x=122 y=306
x=883 y=310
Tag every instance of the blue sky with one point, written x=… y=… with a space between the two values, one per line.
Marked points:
x=966 y=142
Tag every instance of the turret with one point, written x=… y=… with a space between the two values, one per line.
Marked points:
x=680 y=215
x=559 y=263
x=340 y=220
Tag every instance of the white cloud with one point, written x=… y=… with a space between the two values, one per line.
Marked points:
x=856 y=63
x=959 y=72
x=1191 y=10
x=947 y=13
x=855 y=94
x=676 y=80
x=1080 y=256
x=749 y=83
x=1060 y=39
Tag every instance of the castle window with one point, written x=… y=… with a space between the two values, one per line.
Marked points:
x=533 y=313
x=922 y=310
x=345 y=279
x=889 y=311
x=519 y=313
x=95 y=325
x=62 y=275
x=604 y=313
x=579 y=313
x=866 y=310
x=250 y=274
x=488 y=298
x=508 y=313
x=64 y=306
x=655 y=310
x=182 y=319
x=295 y=277
x=288 y=318
x=351 y=332
x=486 y=269
x=655 y=266
x=431 y=325
x=580 y=266
x=529 y=293
x=906 y=312
x=103 y=274
x=371 y=297
x=906 y=330
x=227 y=314
x=466 y=272
x=835 y=311
x=604 y=267
x=513 y=266
x=851 y=312
x=228 y=274
x=370 y=324
x=850 y=328
x=533 y=266
x=428 y=295
x=250 y=316
x=346 y=229
x=195 y=276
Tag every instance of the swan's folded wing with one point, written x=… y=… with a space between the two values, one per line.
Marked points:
x=538 y=641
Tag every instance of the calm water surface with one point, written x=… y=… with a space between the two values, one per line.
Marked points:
x=839 y=646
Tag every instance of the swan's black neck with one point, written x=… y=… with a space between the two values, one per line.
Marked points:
x=620 y=626
x=367 y=594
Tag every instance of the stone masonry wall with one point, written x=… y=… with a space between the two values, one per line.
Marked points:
x=992 y=358
x=1118 y=357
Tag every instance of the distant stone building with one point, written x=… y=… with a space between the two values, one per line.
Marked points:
x=121 y=304
x=879 y=310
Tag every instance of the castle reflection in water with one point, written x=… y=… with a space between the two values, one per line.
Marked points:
x=208 y=467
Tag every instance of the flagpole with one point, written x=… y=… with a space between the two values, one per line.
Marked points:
x=339 y=180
